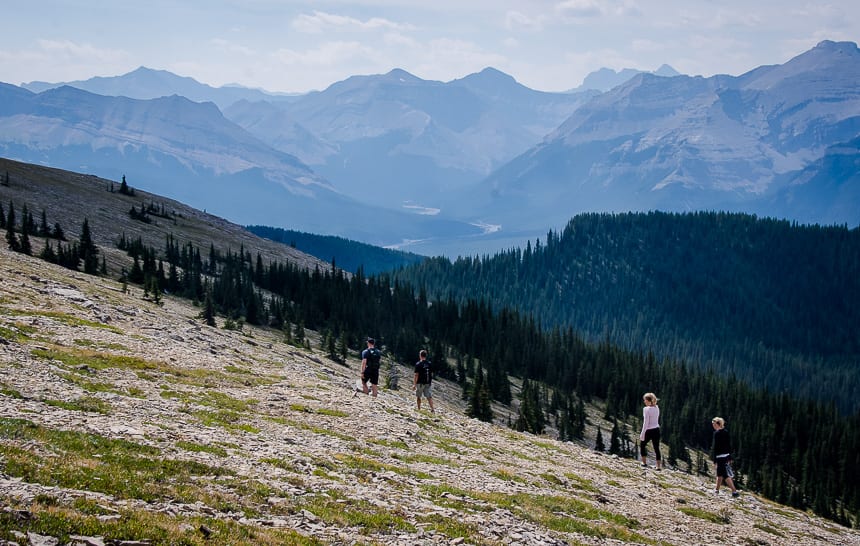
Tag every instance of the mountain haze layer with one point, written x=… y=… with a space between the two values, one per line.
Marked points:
x=470 y=165
x=691 y=143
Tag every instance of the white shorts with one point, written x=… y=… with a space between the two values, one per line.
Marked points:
x=425 y=390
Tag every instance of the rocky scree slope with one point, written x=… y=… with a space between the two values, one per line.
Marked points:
x=127 y=422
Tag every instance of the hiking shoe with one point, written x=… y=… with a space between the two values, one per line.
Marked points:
x=736 y=494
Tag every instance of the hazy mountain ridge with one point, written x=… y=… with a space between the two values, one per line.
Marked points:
x=689 y=143
x=190 y=151
x=411 y=140
x=481 y=150
x=145 y=83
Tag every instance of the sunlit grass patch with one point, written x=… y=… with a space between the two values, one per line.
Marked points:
x=503 y=474
x=81 y=517
x=65 y=318
x=91 y=462
x=360 y=514
x=311 y=428
x=204 y=448
x=98 y=360
x=422 y=458
x=91 y=344
x=6 y=390
x=365 y=464
x=89 y=404
x=578 y=482
x=226 y=418
x=17 y=331
x=769 y=529
x=453 y=528
x=705 y=515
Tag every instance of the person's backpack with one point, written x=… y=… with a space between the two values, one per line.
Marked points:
x=425 y=372
x=373 y=356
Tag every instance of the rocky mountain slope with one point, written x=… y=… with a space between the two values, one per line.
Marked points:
x=127 y=422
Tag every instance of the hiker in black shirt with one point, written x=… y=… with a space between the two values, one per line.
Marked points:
x=370 y=366
x=423 y=378
x=723 y=455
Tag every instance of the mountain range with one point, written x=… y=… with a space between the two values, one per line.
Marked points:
x=757 y=143
x=477 y=163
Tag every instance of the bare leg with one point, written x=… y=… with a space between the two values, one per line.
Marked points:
x=731 y=483
x=430 y=401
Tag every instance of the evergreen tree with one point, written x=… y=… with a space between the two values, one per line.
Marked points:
x=598 y=443
x=24 y=246
x=2 y=217
x=299 y=334
x=342 y=347
x=11 y=238
x=479 y=400
x=88 y=249
x=615 y=439
x=57 y=232
x=44 y=229
x=47 y=253
x=209 y=309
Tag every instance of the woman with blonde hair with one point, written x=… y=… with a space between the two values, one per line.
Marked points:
x=723 y=455
x=650 y=429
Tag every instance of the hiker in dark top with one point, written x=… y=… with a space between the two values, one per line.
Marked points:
x=423 y=378
x=723 y=455
x=370 y=367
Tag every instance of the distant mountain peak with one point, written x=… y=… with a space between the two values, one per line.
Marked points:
x=605 y=79
x=398 y=74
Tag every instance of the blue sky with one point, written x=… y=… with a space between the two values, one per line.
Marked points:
x=295 y=46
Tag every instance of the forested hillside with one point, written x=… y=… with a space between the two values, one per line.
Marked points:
x=774 y=303
x=344 y=253
x=803 y=453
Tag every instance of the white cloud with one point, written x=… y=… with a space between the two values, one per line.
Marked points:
x=232 y=47
x=327 y=54
x=579 y=8
x=320 y=21
x=515 y=20
x=70 y=50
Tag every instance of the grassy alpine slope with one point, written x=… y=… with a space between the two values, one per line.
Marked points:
x=132 y=421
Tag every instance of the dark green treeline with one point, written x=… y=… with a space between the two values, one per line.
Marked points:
x=775 y=303
x=802 y=453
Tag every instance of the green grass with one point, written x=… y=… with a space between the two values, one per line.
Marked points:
x=81 y=517
x=503 y=474
x=454 y=528
x=17 y=332
x=578 y=482
x=89 y=404
x=359 y=514
x=10 y=392
x=769 y=529
x=202 y=448
x=90 y=344
x=704 y=514
x=226 y=418
x=91 y=462
x=558 y=513
x=311 y=428
x=65 y=318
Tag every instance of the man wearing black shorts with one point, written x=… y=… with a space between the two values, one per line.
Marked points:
x=370 y=358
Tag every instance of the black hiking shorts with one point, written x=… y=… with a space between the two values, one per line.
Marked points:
x=370 y=374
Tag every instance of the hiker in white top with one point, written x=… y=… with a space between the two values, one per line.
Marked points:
x=650 y=429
